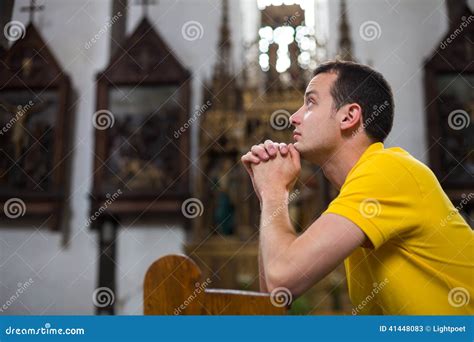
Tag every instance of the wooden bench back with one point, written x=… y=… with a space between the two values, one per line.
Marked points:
x=174 y=286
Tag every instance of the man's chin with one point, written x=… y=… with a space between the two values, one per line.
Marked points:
x=299 y=148
x=304 y=152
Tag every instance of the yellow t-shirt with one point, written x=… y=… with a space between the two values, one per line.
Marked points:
x=423 y=256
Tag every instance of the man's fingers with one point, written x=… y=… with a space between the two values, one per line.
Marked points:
x=260 y=152
x=271 y=148
x=283 y=149
x=295 y=155
x=249 y=158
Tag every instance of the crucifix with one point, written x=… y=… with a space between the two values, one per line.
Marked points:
x=145 y=4
x=32 y=8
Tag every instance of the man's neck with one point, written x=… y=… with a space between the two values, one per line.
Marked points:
x=340 y=163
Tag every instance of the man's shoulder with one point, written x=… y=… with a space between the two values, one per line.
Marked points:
x=392 y=168
x=394 y=159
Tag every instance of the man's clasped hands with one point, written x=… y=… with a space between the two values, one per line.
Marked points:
x=273 y=168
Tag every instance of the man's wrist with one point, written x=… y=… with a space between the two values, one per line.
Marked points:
x=278 y=196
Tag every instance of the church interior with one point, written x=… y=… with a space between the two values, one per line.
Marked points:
x=88 y=205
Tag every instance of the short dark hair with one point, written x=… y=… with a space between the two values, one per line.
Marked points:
x=358 y=83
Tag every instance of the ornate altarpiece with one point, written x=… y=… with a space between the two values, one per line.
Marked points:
x=224 y=240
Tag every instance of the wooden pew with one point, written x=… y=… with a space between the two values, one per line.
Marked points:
x=174 y=286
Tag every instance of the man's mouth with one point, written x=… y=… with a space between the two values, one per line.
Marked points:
x=296 y=135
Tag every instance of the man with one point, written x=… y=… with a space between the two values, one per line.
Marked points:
x=406 y=248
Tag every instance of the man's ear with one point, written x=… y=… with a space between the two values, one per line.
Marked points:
x=352 y=116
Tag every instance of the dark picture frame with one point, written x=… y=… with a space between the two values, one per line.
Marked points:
x=34 y=113
x=144 y=88
x=449 y=76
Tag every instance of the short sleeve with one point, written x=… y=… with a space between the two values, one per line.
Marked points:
x=382 y=197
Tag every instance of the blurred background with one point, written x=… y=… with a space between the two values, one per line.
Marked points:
x=123 y=122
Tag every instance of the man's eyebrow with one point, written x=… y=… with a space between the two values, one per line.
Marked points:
x=311 y=92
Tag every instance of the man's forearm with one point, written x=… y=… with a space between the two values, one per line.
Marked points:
x=261 y=272
x=276 y=236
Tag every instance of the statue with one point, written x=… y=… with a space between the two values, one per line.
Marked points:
x=224 y=210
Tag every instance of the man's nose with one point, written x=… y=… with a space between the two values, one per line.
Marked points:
x=294 y=119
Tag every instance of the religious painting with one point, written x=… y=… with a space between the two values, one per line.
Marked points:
x=33 y=133
x=26 y=140
x=142 y=151
x=142 y=145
